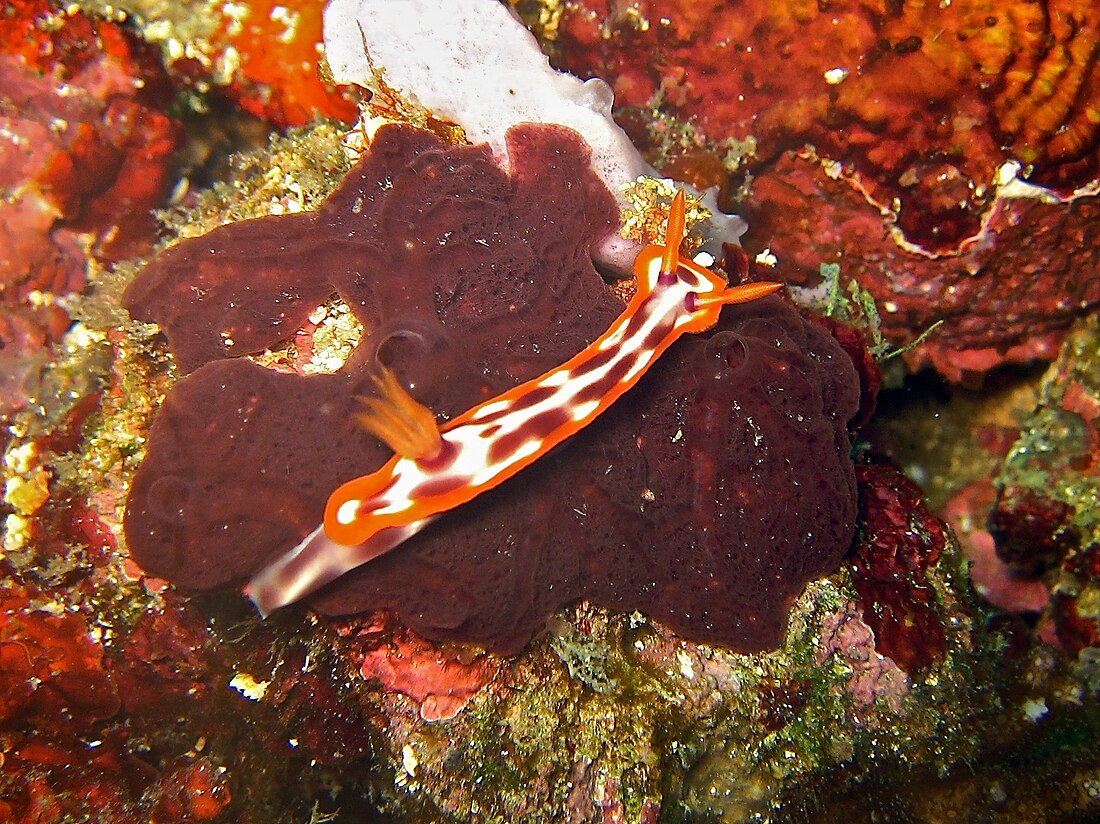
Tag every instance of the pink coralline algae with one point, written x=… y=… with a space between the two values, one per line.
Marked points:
x=912 y=108
x=439 y=682
x=707 y=498
x=1004 y=586
x=847 y=636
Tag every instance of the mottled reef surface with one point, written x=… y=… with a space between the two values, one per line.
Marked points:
x=923 y=174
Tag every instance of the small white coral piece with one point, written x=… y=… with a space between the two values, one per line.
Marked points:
x=472 y=62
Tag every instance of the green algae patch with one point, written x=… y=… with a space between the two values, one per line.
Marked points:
x=295 y=173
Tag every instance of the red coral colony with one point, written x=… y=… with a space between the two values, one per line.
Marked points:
x=786 y=577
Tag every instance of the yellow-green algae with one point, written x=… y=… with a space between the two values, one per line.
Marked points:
x=105 y=351
x=678 y=724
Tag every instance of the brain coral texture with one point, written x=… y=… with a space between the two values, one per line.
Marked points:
x=706 y=498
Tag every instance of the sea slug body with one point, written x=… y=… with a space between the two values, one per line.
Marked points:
x=484 y=447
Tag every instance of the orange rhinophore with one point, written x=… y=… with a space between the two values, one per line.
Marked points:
x=439 y=469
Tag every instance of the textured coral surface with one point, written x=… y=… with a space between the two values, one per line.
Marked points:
x=911 y=109
x=1009 y=296
x=1044 y=521
x=261 y=55
x=919 y=97
x=706 y=499
x=897 y=693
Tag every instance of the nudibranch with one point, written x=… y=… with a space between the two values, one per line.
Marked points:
x=438 y=469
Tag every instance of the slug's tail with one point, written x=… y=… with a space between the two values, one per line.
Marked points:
x=316 y=561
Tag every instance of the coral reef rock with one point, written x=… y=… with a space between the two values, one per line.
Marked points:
x=707 y=499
